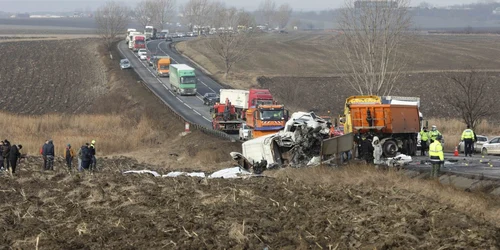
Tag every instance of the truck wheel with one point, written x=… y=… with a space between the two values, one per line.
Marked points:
x=406 y=147
x=390 y=148
x=412 y=147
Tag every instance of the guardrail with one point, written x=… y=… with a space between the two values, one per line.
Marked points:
x=199 y=127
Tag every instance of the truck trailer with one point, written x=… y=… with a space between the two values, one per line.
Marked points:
x=183 y=79
x=396 y=125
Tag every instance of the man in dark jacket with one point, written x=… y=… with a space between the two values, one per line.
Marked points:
x=48 y=154
x=86 y=157
x=14 y=157
x=5 y=153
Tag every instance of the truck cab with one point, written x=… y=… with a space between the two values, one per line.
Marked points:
x=162 y=68
x=266 y=119
x=260 y=96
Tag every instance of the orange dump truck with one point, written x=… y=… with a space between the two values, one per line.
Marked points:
x=396 y=125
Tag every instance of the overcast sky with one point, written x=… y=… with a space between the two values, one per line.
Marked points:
x=70 y=5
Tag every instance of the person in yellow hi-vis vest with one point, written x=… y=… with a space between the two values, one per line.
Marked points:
x=468 y=139
x=424 y=138
x=436 y=156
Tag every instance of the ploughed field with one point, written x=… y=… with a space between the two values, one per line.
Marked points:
x=60 y=76
x=322 y=94
x=109 y=210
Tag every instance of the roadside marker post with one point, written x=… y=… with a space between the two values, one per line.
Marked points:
x=186 y=127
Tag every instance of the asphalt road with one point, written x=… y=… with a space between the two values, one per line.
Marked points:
x=191 y=108
x=478 y=165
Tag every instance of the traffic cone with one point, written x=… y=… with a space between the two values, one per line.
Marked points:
x=456 y=151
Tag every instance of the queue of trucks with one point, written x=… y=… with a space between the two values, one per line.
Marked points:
x=396 y=121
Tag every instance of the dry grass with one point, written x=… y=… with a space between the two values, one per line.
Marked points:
x=452 y=130
x=113 y=133
x=473 y=204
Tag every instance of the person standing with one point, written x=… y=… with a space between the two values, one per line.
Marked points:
x=433 y=134
x=69 y=154
x=468 y=139
x=6 y=153
x=86 y=157
x=92 y=153
x=14 y=157
x=43 y=156
x=436 y=156
x=424 y=137
x=48 y=154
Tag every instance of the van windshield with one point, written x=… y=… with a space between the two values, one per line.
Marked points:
x=271 y=115
x=163 y=66
x=188 y=79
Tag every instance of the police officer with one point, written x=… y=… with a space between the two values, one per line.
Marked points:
x=424 y=137
x=468 y=139
x=433 y=134
x=436 y=155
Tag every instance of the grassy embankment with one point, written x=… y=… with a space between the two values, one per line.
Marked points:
x=113 y=133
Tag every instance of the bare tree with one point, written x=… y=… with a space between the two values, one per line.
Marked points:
x=470 y=95
x=373 y=32
x=217 y=14
x=267 y=9
x=197 y=12
x=230 y=46
x=111 y=21
x=163 y=12
x=145 y=12
x=283 y=14
x=246 y=19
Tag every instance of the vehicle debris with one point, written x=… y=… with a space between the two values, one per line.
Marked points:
x=301 y=143
x=227 y=173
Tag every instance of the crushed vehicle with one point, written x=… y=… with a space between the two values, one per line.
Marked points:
x=300 y=144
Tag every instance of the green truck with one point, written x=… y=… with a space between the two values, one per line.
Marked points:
x=182 y=79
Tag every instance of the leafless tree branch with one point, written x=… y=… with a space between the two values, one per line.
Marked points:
x=111 y=20
x=230 y=46
x=372 y=33
x=470 y=96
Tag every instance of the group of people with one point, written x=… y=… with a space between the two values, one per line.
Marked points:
x=435 y=147
x=86 y=156
x=10 y=155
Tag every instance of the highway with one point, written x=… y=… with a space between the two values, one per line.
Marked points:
x=191 y=108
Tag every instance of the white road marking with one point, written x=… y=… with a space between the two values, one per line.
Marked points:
x=170 y=91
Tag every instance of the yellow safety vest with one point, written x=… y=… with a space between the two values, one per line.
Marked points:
x=424 y=136
x=434 y=134
x=468 y=134
x=436 y=149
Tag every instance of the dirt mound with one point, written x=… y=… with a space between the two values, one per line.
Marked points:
x=61 y=76
x=109 y=210
x=329 y=93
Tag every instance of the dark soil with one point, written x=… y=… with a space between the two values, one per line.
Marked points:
x=322 y=94
x=109 y=210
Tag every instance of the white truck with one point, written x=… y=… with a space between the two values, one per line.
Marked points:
x=149 y=32
x=130 y=38
x=238 y=97
x=127 y=37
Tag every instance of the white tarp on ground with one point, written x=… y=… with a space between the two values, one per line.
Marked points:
x=227 y=173
x=230 y=173
x=154 y=173
x=177 y=174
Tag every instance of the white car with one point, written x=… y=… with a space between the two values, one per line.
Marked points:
x=491 y=147
x=245 y=132
x=478 y=146
x=143 y=54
